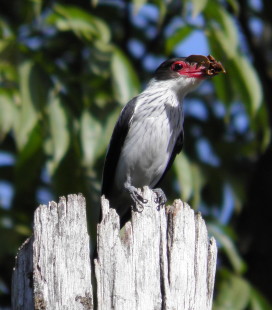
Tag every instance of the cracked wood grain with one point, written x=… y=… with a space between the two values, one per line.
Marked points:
x=161 y=259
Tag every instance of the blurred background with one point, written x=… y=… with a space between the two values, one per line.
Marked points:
x=66 y=70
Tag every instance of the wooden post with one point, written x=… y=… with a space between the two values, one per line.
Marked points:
x=61 y=270
x=161 y=259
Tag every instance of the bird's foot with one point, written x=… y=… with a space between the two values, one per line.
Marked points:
x=136 y=197
x=160 y=197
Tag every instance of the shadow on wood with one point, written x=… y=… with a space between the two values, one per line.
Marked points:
x=161 y=259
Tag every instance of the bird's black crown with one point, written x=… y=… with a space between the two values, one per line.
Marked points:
x=165 y=72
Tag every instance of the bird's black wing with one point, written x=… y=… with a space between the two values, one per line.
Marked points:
x=177 y=149
x=116 y=144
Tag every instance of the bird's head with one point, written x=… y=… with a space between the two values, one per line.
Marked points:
x=188 y=72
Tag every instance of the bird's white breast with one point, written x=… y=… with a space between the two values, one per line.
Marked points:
x=156 y=123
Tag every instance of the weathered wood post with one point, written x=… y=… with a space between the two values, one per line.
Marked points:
x=53 y=269
x=161 y=259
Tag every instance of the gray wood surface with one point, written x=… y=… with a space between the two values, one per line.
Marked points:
x=61 y=259
x=161 y=259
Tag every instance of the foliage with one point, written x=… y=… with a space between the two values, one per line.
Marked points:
x=66 y=70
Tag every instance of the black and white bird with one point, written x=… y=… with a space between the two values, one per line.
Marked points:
x=149 y=132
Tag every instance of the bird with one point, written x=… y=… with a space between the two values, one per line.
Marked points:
x=149 y=133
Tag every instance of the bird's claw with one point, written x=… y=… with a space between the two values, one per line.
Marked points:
x=160 y=197
x=140 y=201
x=137 y=198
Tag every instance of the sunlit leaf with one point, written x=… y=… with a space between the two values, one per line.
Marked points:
x=9 y=74
x=184 y=174
x=223 y=83
x=104 y=133
x=102 y=30
x=94 y=2
x=180 y=34
x=125 y=80
x=28 y=114
x=248 y=83
x=240 y=70
x=8 y=113
x=262 y=124
x=238 y=191
x=138 y=4
x=222 y=28
x=109 y=126
x=59 y=130
x=83 y=24
x=198 y=6
x=198 y=180
x=233 y=293
x=90 y=133
x=37 y=7
x=100 y=58
x=162 y=7
x=228 y=246
x=234 y=5
x=23 y=230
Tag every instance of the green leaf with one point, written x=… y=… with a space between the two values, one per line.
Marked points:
x=198 y=181
x=100 y=57
x=222 y=28
x=33 y=86
x=23 y=230
x=261 y=124
x=9 y=244
x=59 y=131
x=179 y=35
x=83 y=24
x=162 y=8
x=223 y=82
x=8 y=113
x=245 y=82
x=37 y=7
x=103 y=30
x=109 y=126
x=235 y=6
x=198 y=6
x=221 y=235
x=183 y=170
x=223 y=88
x=6 y=30
x=248 y=83
x=258 y=301
x=138 y=4
x=29 y=161
x=90 y=135
x=29 y=151
x=94 y=3
x=126 y=84
x=223 y=35
x=233 y=292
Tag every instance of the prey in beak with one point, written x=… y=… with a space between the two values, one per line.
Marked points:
x=211 y=66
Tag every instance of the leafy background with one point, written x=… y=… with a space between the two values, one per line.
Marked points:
x=66 y=70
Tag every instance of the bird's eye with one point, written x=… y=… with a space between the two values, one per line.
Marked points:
x=177 y=66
